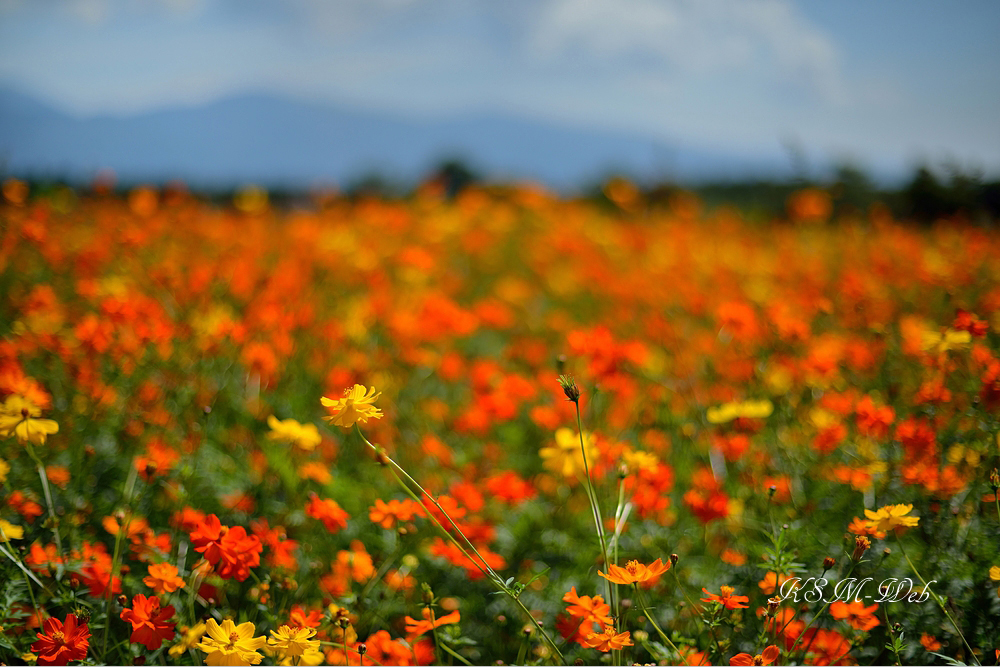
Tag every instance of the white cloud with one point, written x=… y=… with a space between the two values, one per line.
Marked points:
x=765 y=39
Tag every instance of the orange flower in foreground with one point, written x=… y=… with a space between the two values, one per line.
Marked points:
x=415 y=628
x=634 y=572
x=608 y=640
x=149 y=622
x=766 y=657
x=163 y=578
x=593 y=609
x=727 y=599
x=857 y=615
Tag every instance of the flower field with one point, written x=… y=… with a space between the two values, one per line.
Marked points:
x=501 y=428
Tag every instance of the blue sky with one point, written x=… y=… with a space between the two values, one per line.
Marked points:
x=886 y=84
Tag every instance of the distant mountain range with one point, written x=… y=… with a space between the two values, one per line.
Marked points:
x=282 y=142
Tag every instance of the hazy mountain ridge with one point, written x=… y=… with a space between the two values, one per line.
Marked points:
x=283 y=142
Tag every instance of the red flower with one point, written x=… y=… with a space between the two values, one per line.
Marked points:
x=328 y=511
x=149 y=622
x=230 y=550
x=62 y=642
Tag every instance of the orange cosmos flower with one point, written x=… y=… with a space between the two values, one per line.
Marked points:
x=727 y=599
x=592 y=609
x=766 y=657
x=856 y=614
x=149 y=622
x=415 y=628
x=163 y=578
x=328 y=511
x=608 y=640
x=634 y=572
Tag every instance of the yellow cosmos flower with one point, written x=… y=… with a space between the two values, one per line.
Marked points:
x=637 y=460
x=357 y=405
x=889 y=517
x=9 y=531
x=189 y=639
x=939 y=342
x=19 y=417
x=231 y=644
x=995 y=573
x=727 y=412
x=293 y=642
x=305 y=436
x=565 y=458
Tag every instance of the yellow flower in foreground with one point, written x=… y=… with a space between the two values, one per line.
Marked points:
x=565 y=458
x=231 y=644
x=306 y=436
x=191 y=636
x=19 y=417
x=357 y=405
x=730 y=411
x=995 y=573
x=889 y=517
x=293 y=642
x=9 y=531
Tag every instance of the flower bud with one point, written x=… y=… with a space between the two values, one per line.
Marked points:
x=995 y=480
x=828 y=562
x=362 y=648
x=861 y=545
x=569 y=388
x=772 y=606
x=673 y=559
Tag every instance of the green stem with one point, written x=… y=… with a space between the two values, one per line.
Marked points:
x=48 y=496
x=434 y=632
x=415 y=483
x=115 y=562
x=27 y=582
x=816 y=616
x=649 y=617
x=488 y=572
x=892 y=636
x=454 y=654
x=937 y=599
x=595 y=504
x=615 y=597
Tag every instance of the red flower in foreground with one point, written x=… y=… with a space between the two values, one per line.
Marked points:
x=230 y=550
x=62 y=642
x=149 y=622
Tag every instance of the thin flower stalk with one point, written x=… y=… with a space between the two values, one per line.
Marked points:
x=595 y=504
x=937 y=599
x=48 y=495
x=490 y=574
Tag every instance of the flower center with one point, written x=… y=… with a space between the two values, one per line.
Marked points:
x=726 y=591
x=233 y=638
x=632 y=566
x=24 y=413
x=58 y=636
x=758 y=660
